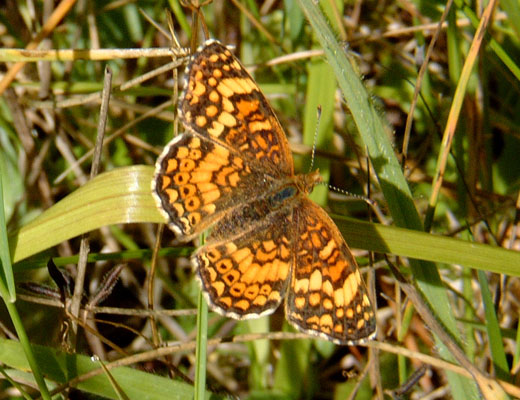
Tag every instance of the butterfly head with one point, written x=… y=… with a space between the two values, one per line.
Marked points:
x=306 y=182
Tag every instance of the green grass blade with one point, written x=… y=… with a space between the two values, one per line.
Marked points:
x=501 y=53
x=7 y=289
x=512 y=8
x=429 y=247
x=260 y=352
x=124 y=196
x=516 y=358
x=26 y=350
x=293 y=366
x=201 y=348
x=493 y=330
x=388 y=171
x=320 y=92
x=10 y=377
x=119 y=196
x=180 y=17
x=8 y=292
x=61 y=367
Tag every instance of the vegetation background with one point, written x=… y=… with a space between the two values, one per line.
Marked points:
x=456 y=154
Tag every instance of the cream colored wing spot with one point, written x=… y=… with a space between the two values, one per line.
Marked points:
x=314 y=299
x=256 y=126
x=315 y=282
x=216 y=129
x=227 y=119
x=326 y=251
x=227 y=105
x=350 y=287
x=301 y=285
x=224 y=90
x=211 y=111
x=327 y=288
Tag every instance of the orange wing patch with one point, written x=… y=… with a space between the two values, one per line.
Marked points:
x=223 y=102
x=327 y=296
x=195 y=181
x=247 y=276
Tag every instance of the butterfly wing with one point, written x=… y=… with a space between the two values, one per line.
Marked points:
x=222 y=102
x=233 y=151
x=198 y=181
x=327 y=296
x=245 y=265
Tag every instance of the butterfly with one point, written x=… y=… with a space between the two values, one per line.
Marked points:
x=232 y=171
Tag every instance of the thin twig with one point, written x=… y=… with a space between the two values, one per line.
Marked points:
x=455 y=109
x=420 y=77
x=84 y=246
x=58 y=14
x=190 y=346
x=489 y=387
x=112 y=137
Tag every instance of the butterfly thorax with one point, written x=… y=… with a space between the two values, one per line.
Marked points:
x=295 y=186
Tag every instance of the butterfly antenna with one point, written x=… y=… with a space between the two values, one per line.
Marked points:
x=370 y=202
x=313 y=153
x=366 y=199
